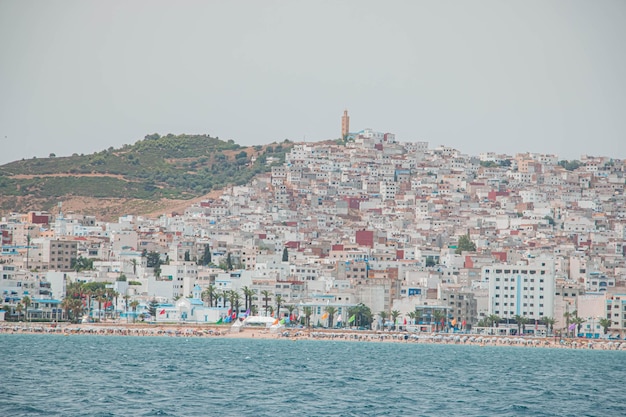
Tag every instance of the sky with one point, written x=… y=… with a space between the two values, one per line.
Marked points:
x=502 y=76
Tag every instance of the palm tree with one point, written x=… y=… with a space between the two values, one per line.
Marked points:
x=236 y=300
x=77 y=309
x=307 y=311
x=383 y=316
x=209 y=294
x=330 y=310
x=220 y=295
x=266 y=298
x=521 y=323
x=418 y=316
x=279 y=301
x=493 y=320
x=605 y=323
x=568 y=317
x=549 y=322
x=362 y=315
x=578 y=322
x=133 y=262
x=134 y=304
x=18 y=310
x=438 y=316
x=126 y=298
x=411 y=315
x=101 y=298
x=26 y=302
x=394 y=316
x=248 y=294
x=290 y=308
x=66 y=305
x=232 y=295
x=112 y=295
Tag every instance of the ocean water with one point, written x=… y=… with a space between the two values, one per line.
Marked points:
x=81 y=375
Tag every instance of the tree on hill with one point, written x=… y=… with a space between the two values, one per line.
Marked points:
x=82 y=264
x=206 y=255
x=570 y=165
x=465 y=245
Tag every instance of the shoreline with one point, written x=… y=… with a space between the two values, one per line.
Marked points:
x=203 y=331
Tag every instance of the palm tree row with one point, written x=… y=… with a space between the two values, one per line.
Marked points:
x=86 y=293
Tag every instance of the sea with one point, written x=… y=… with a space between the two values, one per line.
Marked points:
x=89 y=375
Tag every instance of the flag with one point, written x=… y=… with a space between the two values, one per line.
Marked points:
x=287 y=319
x=233 y=316
x=230 y=311
x=275 y=322
x=227 y=319
x=405 y=321
x=352 y=318
x=219 y=321
x=453 y=322
x=463 y=323
x=162 y=311
x=247 y=312
x=324 y=316
x=282 y=321
x=572 y=326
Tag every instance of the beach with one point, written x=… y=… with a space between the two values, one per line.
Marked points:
x=227 y=332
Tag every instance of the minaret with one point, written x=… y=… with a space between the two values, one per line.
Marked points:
x=345 y=125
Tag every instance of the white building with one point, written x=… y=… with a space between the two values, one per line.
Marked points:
x=524 y=289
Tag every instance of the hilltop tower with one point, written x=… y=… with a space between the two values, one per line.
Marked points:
x=345 y=125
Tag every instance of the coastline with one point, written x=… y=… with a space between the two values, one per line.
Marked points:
x=203 y=331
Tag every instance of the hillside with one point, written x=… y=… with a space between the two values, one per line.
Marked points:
x=150 y=175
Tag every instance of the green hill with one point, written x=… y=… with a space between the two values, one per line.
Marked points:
x=155 y=168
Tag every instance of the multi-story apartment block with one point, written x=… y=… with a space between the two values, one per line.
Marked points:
x=524 y=289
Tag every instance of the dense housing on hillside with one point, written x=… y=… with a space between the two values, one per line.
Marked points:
x=366 y=220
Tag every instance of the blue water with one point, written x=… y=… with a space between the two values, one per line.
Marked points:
x=78 y=375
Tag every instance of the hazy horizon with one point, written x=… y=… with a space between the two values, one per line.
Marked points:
x=508 y=77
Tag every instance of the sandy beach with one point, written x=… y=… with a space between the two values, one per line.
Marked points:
x=188 y=330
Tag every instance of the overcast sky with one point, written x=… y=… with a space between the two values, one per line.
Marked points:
x=504 y=76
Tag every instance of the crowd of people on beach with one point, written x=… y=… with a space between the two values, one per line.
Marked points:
x=361 y=336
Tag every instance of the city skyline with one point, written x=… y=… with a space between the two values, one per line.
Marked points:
x=481 y=76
